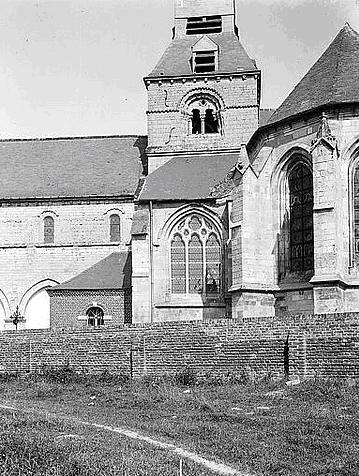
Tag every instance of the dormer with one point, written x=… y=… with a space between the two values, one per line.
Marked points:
x=204 y=56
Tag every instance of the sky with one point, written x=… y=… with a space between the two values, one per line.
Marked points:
x=75 y=67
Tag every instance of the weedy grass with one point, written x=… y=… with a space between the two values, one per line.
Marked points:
x=262 y=427
x=31 y=445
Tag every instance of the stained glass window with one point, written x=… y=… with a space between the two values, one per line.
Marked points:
x=115 y=228
x=195 y=265
x=213 y=264
x=49 y=230
x=195 y=257
x=356 y=213
x=301 y=219
x=178 y=265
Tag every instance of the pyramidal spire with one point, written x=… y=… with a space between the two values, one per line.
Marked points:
x=333 y=79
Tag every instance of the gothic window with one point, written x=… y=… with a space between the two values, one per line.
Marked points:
x=115 y=228
x=356 y=213
x=196 y=257
x=204 y=25
x=95 y=316
x=49 y=229
x=301 y=219
x=178 y=265
x=204 y=117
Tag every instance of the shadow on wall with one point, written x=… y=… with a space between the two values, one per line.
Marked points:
x=141 y=144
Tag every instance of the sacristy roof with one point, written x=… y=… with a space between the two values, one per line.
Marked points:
x=113 y=272
x=232 y=57
x=333 y=79
x=71 y=167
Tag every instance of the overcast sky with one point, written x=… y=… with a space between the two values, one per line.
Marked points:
x=75 y=67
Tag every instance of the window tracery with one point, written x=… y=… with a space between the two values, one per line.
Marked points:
x=301 y=244
x=196 y=257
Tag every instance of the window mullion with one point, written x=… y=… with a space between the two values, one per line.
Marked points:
x=204 y=252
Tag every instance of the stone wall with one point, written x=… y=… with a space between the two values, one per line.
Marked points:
x=168 y=125
x=318 y=346
x=81 y=238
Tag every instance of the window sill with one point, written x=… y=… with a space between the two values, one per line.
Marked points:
x=195 y=301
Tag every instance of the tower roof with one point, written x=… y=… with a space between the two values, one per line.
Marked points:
x=333 y=79
x=232 y=56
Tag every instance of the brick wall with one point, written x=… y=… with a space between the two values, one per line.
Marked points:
x=323 y=346
x=68 y=308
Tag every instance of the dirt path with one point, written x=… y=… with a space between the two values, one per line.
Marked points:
x=218 y=468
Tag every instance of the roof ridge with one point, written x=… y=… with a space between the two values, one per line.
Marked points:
x=43 y=139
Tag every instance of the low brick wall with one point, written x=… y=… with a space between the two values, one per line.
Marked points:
x=323 y=346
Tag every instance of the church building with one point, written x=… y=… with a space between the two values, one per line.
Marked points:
x=224 y=210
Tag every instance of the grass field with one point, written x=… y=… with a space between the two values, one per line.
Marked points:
x=265 y=428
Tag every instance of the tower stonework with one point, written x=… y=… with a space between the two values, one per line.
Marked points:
x=204 y=93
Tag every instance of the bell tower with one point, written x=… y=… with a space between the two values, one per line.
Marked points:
x=204 y=93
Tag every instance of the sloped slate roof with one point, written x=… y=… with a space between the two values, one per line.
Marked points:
x=264 y=116
x=333 y=79
x=176 y=59
x=74 y=167
x=113 y=272
x=140 y=222
x=188 y=178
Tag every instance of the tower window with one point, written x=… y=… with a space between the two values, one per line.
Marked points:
x=115 y=228
x=210 y=123
x=204 y=25
x=49 y=229
x=196 y=121
x=204 y=61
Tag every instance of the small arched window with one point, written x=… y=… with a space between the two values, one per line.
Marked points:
x=49 y=229
x=204 y=116
x=95 y=316
x=196 y=122
x=196 y=257
x=210 y=123
x=115 y=228
x=301 y=245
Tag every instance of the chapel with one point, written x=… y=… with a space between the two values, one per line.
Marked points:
x=224 y=210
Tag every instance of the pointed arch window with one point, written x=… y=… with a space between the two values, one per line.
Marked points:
x=49 y=229
x=196 y=257
x=301 y=233
x=115 y=228
x=356 y=213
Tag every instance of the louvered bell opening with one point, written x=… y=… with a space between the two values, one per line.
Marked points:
x=204 y=62
x=204 y=25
